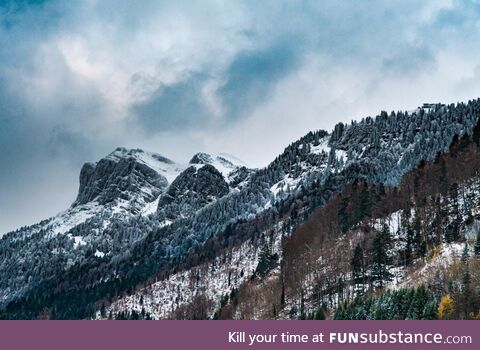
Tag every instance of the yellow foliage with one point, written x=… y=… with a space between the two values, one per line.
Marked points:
x=446 y=308
x=434 y=253
x=473 y=316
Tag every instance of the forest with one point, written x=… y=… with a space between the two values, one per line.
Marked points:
x=358 y=213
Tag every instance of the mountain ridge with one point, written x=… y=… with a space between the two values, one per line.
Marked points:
x=119 y=250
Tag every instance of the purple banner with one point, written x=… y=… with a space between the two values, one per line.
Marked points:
x=72 y=335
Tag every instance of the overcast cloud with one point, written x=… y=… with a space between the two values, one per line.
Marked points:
x=79 y=78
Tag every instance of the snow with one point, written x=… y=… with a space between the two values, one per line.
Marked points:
x=393 y=222
x=164 y=166
x=121 y=206
x=223 y=162
x=322 y=147
x=169 y=171
x=341 y=154
x=72 y=217
x=67 y=220
x=99 y=254
x=151 y=207
x=77 y=241
x=288 y=184
x=223 y=165
x=232 y=159
x=213 y=279
x=448 y=254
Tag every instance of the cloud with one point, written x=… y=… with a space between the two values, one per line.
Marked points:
x=78 y=79
x=250 y=77
x=172 y=107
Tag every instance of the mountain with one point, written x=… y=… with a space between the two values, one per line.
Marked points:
x=207 y=179
x=124 y=174
x=336 y=217
x=191 y=190
x=125 y=185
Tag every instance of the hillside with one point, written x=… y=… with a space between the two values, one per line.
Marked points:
x=336 y=217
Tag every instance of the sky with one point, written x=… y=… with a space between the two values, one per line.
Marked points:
x=80 y=78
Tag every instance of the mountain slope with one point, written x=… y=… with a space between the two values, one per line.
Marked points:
x=124 y=185
x=208 y=213
x=423 y=223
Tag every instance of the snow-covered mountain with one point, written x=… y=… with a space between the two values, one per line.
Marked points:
x=126 y=184
x=122 y=184
x=175 y=233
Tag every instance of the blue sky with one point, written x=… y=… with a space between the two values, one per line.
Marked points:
x=79 y=78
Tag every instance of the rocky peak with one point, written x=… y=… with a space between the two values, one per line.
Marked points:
x=125 y=174
x=224 y=163
x=201 y=158
x=139 y=154
x=191 y=190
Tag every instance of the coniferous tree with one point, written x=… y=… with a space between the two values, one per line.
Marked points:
x=453 y=229
x=430 y=310
x=318 y=314
x=477 y=245
x=364 y=203
x=468 y=206
x=449 y=234
x=444 y=183
x=420 y=299
x=266 y=262
x=103 y=311
x=380 y=272
x=466 y=280
x=343 y=217
x=358 y=269
x=409 y=245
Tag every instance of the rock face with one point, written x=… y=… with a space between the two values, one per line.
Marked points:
x=192 y=189
x=239 y=177
x=201 y=158
x=224 y=163
x=121 y=175
x=124 y=186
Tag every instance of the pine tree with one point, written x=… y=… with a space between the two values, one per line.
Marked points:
x=302 y=307
x=444 y=184
x=420 y=298
x=282 y=281
x=319 y=314
x=469 y=198
x=266 y=262
x=358 y=269
x=449 y=234
x=466 y=281
x=380 y=273
x=408 y=248
x=430 y=310
x=342 y=214
x=453 y=229
x=364 y=203
x=465 y=254
x=476 y=248
x=103 y=311
x=419 y=244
